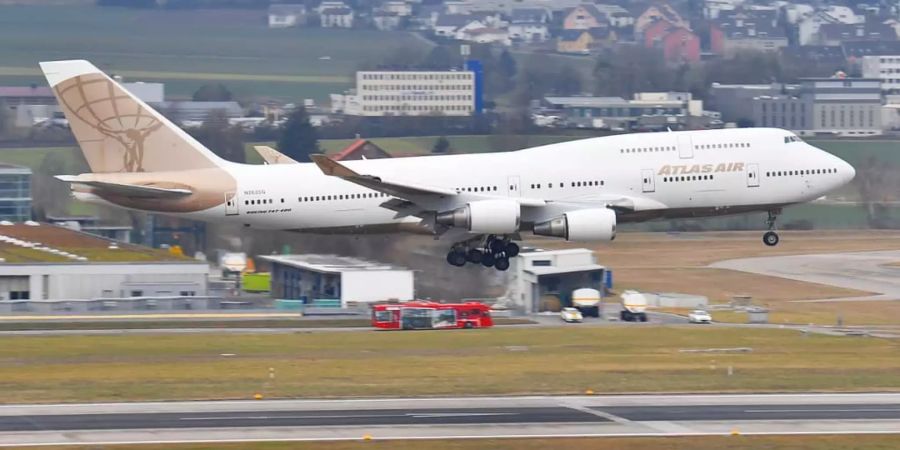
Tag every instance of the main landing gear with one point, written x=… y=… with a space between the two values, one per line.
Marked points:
x=770 y=238
x=493 y=252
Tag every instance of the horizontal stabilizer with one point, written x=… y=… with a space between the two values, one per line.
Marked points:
x=272 y=156
x=128 y=190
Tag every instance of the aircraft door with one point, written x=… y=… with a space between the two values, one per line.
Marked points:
x=647 y=181
x=514 y=189
x=752 y=175
x=231 y=204
x=685 y=147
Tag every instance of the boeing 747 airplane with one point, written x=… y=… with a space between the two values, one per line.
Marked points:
x=479 y=203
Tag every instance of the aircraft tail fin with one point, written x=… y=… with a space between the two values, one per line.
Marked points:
x=117 y=131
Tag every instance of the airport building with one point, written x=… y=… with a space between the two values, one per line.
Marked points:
x=330 y=279
x=15 y=193
x=646 y=109
x=413 y=93
x=46 y=267
x=837 y=106
x=538 y=276
x=884 y=68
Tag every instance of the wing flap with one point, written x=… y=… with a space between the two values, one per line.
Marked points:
x=129 y=190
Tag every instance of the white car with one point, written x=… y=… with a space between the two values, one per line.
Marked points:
x=570 y=315
x=699 y=316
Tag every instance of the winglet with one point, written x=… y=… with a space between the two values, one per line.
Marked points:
x=331 y=167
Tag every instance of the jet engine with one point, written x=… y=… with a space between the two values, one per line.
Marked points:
x=484 y=216
x=597 y=224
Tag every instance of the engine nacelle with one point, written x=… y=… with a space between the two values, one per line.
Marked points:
x=582 y=225
x=498 y=216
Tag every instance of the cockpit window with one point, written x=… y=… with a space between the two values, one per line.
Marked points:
x=792 y=138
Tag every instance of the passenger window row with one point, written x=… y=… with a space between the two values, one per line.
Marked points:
x=687 y=178
x=262 y=201
x=319 y=198
x=667 y=148
x=791 y=173
x=572 y=184
x=477 y=189
x=722 y=145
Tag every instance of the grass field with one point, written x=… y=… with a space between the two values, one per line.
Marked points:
x=864 y=442
x=191 y=47
x=564 y=360
x=661 y=262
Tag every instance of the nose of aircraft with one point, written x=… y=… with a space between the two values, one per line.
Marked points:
x=847 y=171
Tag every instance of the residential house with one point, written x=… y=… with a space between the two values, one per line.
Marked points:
x=287 y=15
x=490 y=18
x=529 y=24
x=712 y=9
x=746 y=31
x=583 y=17
x=400 y=8
x=581 y=42
x=617 y=16
x=447 y=25
x=857 y=51
x=657 y=12
x=386 y=20
x=808 y=27
x=837 y=34
x=337 y=18
x=678 y=44
x=484 y=35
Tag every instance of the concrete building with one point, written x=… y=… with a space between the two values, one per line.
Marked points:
x=746 y=31
x=338 y=17
x=735 y=101
x=885 y=68
x=413 y=93
x=645 y=110
x=287 y=15
x=330 y=277
x=15 y=193
x=46 y=262
x=534 y=274
x=838 y=106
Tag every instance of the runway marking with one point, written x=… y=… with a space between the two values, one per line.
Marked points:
x=597 y=412
x=354 y=416
x=821 y=410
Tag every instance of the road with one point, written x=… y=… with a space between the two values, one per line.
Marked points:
x=650 y=415
x=863 y=271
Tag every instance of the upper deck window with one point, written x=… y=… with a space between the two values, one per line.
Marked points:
x=792 y=138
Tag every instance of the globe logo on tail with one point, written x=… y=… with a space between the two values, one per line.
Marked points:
x=100 y=105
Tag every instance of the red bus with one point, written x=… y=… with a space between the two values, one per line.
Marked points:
x=423 y=315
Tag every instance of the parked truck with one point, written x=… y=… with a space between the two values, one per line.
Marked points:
x=634 y=307
x=587 y=301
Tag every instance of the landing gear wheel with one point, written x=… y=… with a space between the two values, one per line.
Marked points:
x=770 y=238
x=456 y=258
x=512 y=250
x=501 y=264
x=474 y=256
x=496 y=245
x=487 y=260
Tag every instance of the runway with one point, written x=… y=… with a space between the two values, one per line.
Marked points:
x=862 y=271
x=650 y=415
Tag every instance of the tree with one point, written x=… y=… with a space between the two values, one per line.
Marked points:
x=507 y=64
x=298 y=137
x=441 y=57
x=220 y=137
x=214 y=92
x=567 y=81
x=441 y=145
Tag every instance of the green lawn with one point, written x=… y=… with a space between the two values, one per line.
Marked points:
x=564 y=360
x=858 y=442
x=189 y=48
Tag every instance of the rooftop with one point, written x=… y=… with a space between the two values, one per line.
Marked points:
x=22 y=243
x=330 y=263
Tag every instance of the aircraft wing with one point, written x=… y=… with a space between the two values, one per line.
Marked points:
x=129 y=190
x=272 y=156
x=405 y=190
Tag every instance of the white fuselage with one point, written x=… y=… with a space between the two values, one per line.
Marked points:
x=674 y=174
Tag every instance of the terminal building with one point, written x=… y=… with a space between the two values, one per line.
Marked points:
x=414 y=93
x=645 y=110
x=46 y=267
x=538 y=276
x=330 y=279
x=15 y=193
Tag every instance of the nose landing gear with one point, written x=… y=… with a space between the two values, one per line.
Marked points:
x=771 y=238
x=493 y=252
